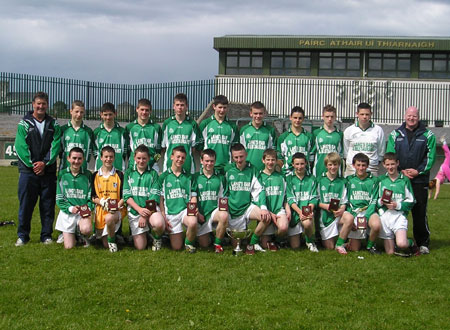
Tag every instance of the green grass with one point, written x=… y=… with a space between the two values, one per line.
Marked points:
x=48 y=287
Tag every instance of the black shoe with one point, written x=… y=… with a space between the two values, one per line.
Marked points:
x=373 y=250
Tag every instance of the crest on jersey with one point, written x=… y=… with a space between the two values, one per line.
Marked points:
x=101 y=140
x=231 y=177
x=289 y=143
x=353 y=186
x=168 y=185
x=211 y=130
x=323 y=188
x=135 y=134
x=248 y=136
x=65 y=183
x=130 y=180
x=67 y=138
x=320 y=140
x=200 y=186
x=170 y=130
x=115 y=184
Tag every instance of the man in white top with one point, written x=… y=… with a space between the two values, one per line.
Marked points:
x=366 y=137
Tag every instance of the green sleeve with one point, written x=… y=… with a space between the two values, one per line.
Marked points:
x=236 y=134
x=409 y=200
x=198 y=143
x=314 y=197
x=89 y=203
x=372 y=208
x=279 y=142
x=273 y=133
x=56 y=145
x=391 y=142
x=290 y=192
x=61 y=200
x=95 y=148
x=431 y=154
x=155 y=189
x=21 y=146
x=126 y=186
x=194 y=185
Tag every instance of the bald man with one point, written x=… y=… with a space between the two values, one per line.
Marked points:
x=415 y=147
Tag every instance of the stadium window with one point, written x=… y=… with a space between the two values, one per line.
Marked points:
x=434 y=65
x=244 y=62
x=389 y=65
x=290 y=63
x=340 y=64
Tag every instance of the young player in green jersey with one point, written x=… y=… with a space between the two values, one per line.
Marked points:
x=218 y=133
x=109 y=133
x=107 y=183
x=72 y=192
x=144 y=131
x=326 y=139
x=207 y=187
x=76 y=134
x=394 y=224
x=275 y=188
x=246 y=197
x=142 y=185
x=175 y=186
x=296 y=139
x=301 y=192
x=332 y=188
x=256 y=136
x=362 y=193
x=180 y=130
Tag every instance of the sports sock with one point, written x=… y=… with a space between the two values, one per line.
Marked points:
x=254 y=239
x=188 y=242
x=309 y=239
x=217 y=241
x=340 y=241
x=370 y=244
x=112 y=239
x=156 y=236
x=410 y=242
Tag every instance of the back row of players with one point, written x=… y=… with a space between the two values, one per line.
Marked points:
x=247 y=173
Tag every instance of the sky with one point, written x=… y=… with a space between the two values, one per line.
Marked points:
x=138 y=41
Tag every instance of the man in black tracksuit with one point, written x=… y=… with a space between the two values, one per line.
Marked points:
x=37 y=145
x=415 y=147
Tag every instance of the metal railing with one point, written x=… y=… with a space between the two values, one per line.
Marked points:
x=389 y=98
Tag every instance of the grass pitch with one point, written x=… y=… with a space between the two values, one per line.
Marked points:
x=48 y=287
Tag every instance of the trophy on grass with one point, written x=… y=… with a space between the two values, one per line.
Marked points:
x=238 y=235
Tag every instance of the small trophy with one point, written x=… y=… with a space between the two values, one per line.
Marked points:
x=334 y=204
x=191 y=209
x=223 y=204
x=113 y=205
x=84 y=211
x=238 y=235
x=306 y=210
x=150 y=205
x=361 y=223
x=387 y=196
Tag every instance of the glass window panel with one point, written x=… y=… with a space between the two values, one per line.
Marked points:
x=353 y=73
x=324 y=54
x=403 y=74
x=291 y=72
x=389 y=55
x=257 y=53
x=325 y=73
x=440 y=56
x=374 y=54
x=426 y=65
x=256 y=71
x=304 y=72
x=325 y=63
x=244 y=61
x=353 y=54
x=426 y=55
x=404 y=65
x=440 y=65
x=257 y=62
x=245 y=71
x=339 y=73
x=374 y=74
x=336 y=54
x=244 y=52
x=389 y=64
x=404 y=55
x=339 y=63
x=353 y=63
x=277 y=53
x=290 y=62
x=304 y=62
x=290 y=54
x=425 y=75
x=276 y=72
x=276 y=62
x=304 y=53
x=232 y=53
x=389 y=74
x=232 y=71
x=374 y=64
x=232 y=61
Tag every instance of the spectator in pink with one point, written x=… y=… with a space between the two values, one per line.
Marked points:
x=444 y=171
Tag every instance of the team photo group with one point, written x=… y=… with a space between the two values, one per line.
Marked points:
x=323 y=189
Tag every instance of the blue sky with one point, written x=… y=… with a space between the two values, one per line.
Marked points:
x=158 y=41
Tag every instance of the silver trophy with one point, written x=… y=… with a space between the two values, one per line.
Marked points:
x=238 y=235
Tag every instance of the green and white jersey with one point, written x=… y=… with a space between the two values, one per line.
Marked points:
x=207 y=190
x=402 y=193
x=70 y=138
x=115 y=138
x=289 y=143
x=176 y=191
x=219 y=137
x=328 y=189
x=362 y=194
x=275 y=188
x=186 y=134
x=369 y=141
x=242 y=189
x=73 y=190
x=256 y=140
x=324 y=143
x=149 y=135
x=301 y=192
x=141 y=187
